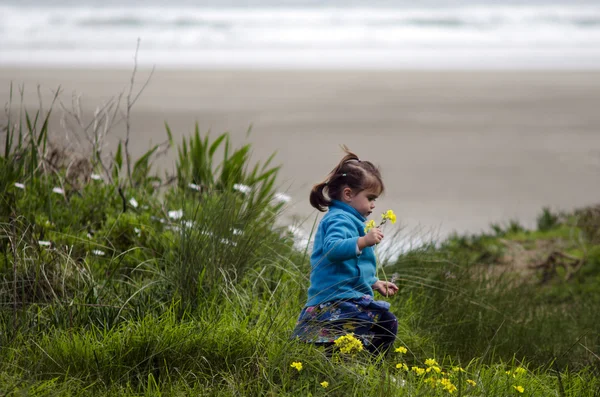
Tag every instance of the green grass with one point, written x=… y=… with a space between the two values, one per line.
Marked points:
x=129 y=300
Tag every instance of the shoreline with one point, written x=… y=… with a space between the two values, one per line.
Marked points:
x=458 y=149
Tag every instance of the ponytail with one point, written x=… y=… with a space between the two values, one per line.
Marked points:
x=317 y=197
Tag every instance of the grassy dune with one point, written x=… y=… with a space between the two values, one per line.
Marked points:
x=117 y=281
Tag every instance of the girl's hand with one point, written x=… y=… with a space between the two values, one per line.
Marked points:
x=373 y=237
x=385 y=288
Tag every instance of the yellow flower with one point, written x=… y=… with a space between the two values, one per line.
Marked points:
x=297 y=365
x=458 y=369
x=447 y=385
x=472 y=382
x=434 y=368
x=402 y=366
x=401 y=350
x=520 y=389
x=370 y=225
x=520 y=371
x=348 y=344
x=430 y=362
x=431 y=381
x=418 y=371
x=389 y=214
x=324 y=384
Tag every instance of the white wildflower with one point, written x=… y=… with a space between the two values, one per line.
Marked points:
x=58 y=190
x=188 y=224
x=19 y=185
x=282 y=198
x=96 y=177
x=228 y=242
x=133 y=202
x=89 y=236
x=137 y=231
x=98 y=252
x=175 y=214
x=242 y=188
x=44 y=243
x=237 y=232
x=193 y=186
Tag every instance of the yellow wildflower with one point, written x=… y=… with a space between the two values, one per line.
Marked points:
x=430 y=362
x=434 y=368
x=389 y=214
x=297 y=365
x=402 y=366
x=370 y=225
x=520 y=371
x=431 y=381
x=401 y=350
x=324 y=384
x=458 y=369
x=418 y=371
x=348 y=344
x=507 y=372
x=447 y=385
x=472 y=382
x=520 y=389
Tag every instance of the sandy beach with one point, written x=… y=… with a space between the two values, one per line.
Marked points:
x=458 y=150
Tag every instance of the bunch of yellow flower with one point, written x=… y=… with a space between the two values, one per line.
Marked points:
x=432 y=382
x=348 y=344
x=388 y=215
x=418 y=371
x=434 y=368
x=324 y=384
x=402 y=366
x=519 y=389
x=447 y=385
x=401 y=350
x=297 y=365
x=369 y=225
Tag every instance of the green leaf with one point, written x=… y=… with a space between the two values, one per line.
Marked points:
x=118 y=162
x=141 y=167
x=169 y=133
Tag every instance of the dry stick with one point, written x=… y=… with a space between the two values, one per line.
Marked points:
x=130 y=104
x=104 y=118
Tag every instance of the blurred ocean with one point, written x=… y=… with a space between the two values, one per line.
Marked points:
x=302 y=34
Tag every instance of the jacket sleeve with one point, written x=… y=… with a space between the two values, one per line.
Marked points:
x=340 y=240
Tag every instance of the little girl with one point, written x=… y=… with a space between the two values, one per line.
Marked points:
x=343 y=267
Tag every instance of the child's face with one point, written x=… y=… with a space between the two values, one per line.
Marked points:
x=364 y=202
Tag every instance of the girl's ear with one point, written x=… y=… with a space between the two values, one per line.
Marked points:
x=347 y=194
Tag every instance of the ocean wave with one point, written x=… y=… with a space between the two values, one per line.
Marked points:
x=172 y=28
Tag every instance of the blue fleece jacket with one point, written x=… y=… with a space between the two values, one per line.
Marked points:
x=338 y=272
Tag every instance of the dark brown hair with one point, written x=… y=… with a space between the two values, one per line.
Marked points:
x=351 y=172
